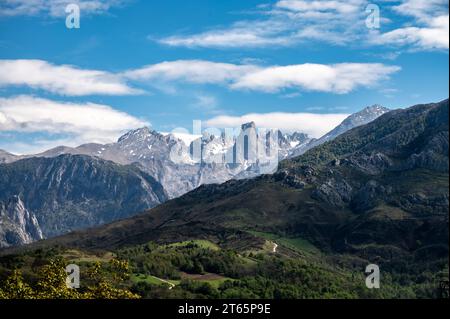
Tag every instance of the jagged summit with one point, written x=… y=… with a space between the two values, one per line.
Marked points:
x=139 y=134
x=366 y=115
x=246 y=126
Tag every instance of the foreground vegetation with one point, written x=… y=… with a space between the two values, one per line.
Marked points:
x=198 y=269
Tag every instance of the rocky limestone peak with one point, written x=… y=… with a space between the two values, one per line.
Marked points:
x=140 y=134
x=246 y=126
x=366 y=115
x=298 y=137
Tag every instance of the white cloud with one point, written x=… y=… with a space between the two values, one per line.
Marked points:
x=316 y=125
x=82 y=123
x=334 y=78
x=193 y=71
x=61 y=79
x=422 y=9
x=428 y=31
x=72 y=81
x=241 y=34
x=55 y=8
x=433 y=36
x=320 y=6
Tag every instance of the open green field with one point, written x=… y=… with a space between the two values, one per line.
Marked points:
x=297 y=244
x=136 y=278
x=206 y=244
x=77 y=256
x=212 y=279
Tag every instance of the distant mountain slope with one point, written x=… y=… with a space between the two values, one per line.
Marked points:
x=398 y=134
x=360 y=118
x=6 y=157
x=69 y=192
x=378 y=192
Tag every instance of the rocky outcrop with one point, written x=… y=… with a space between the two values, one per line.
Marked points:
x=369 y=196
x=336 y=193
x=18 y=226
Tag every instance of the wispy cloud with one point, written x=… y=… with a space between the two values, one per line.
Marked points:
x=333 y=78
x=61 y=79
x=337 y=22
x=240 y=34
x=82 y=123
x=433 y=35
x=285 y=23
x=423 y=10
x=316 y=125
x=207 y=103
x=55 y=8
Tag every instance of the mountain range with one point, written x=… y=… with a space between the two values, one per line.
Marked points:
x=65 y=189
x=378 y=192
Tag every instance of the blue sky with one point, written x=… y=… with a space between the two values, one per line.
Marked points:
x=167 y=63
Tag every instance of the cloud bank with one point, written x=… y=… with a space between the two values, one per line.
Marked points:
x=72 y=81
x=61 y=79
x=79 y=123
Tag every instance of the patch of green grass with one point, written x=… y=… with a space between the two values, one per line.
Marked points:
x=77 y=256
x=297 y=244
x=136 y=278
x=206 y=244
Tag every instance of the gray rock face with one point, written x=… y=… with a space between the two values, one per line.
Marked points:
x=372 y=164
x=18 y=226
x=70 y=192
x=369 y=196
x=336 y=193
x=432 y=156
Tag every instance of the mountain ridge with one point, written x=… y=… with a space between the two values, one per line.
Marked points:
x=75 y=191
